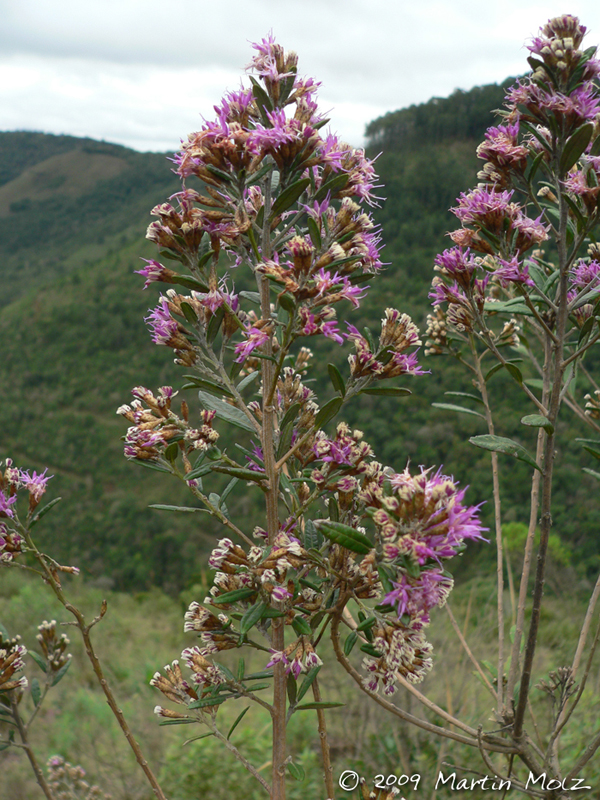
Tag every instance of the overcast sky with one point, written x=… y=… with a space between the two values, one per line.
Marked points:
x=143 y=73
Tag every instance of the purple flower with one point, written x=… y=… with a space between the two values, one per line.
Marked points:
x=255 y=337
x=161 y=324
x=35 y=484
x=154 y=271
x=5 y=505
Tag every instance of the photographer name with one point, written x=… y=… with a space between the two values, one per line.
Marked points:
x=496 y=784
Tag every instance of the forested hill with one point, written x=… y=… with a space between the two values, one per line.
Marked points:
x=73 y=214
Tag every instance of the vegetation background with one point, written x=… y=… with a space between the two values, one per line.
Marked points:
x=72 y=218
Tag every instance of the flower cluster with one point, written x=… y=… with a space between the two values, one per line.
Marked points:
x=559 y=96
x=298 y=657
x=404 y=652
x=156 y=426
x=67 y=782
x=178 y=690
x=390 y=358
x=53 y=646
x=11 y=662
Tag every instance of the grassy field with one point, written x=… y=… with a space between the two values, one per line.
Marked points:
x=144 y=631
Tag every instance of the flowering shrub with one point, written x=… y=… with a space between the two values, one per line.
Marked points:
x=267 y=195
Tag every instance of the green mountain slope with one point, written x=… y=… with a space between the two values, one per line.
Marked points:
x=72 y=218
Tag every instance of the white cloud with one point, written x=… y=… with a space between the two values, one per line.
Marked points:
x=139 y=72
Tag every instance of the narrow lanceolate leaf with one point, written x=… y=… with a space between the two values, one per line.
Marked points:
x=575 y=146
x=226 y=412
x=307 y=682
x=301 y=626
x=351 y=640
x=179 y=509
x=312 y=538
x=61 y=673
x=234 y=596
x=387 y=391
x=241 y=473
x=328 y=411
x=345 y=536
x=41 y=662
x=210 y=701
x=592 y=472
x=332 y=186
x=209 y=386
x=336 y=379
x=500 y=444
x=289 y=196
x=36 y=692
x=538 y=421
x=452 y=407
x=307 y=706
x=465 y=394
x=181 y=722
x=239 y=718
x=296 y=771
x=44 y=511
x=252 y=616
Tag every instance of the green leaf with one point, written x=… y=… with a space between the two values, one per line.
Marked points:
x=366 y=624
x=289 y=196
x=189 y=313
x=465 y=394
x=368 y=648
x=328 y=411
x=210 y=701
x=595 y=150
x=199 y=472
x=171 y=452
x=333 y=186
x=315 y=235
x=308 y=682
x=197 y=738
x=181 y=722
x=511 y=368
x=536 y=383
x=592 y=472
x=241 y=473
x=253 y=297
x=209 y=386
x=61 y=673
x=345 y=536
x=301 y=626
x=500 y=444
x=234 y=596
x=256 y=676
x=252 y=376
x=214 y=324
x=452 y=407
x=252 y=616
x=226 y=412
x=351 y=640
x=296 y=771
x=41 y=662
x=189 y=282
x=538 y=421
x=387 y=391
x=45 y=510
x=312 y=538
x=575 y=146
x=36 y=692
x=291 y=689
x=238 y=719
x=178 y=509
x=336 y=379
x=218 y=173
x=290 y=415
x=308 y=706
x=287 y=302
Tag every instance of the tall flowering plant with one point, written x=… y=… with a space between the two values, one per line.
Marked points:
x=522 y=281
x=345 y=541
